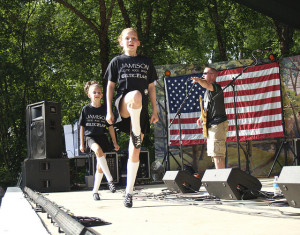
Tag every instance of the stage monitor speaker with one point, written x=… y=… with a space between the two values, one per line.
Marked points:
x=46 y=175
x=181 y=181
x=231 y=183
x=289 y=183
x=44 y=130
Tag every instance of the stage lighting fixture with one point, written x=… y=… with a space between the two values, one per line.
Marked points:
x=167 y=73
x=272 y=57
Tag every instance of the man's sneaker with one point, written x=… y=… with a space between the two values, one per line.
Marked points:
x=111 y=186
x=136 y=140
x=96 y=196
x=128 y=200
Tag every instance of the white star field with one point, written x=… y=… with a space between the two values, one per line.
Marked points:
x=178 y=88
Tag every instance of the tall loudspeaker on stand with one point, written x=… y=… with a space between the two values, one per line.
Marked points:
x=231 y=183
x=289 y=183
x=44 y=130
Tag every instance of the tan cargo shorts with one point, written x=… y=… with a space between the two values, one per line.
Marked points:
x=216 y=139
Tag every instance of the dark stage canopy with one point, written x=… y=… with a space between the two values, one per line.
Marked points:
x=285 y=11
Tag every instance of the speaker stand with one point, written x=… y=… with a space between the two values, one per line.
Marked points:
x=286 y=145
x=182 y=181
x=179 y=123
x=166 y=159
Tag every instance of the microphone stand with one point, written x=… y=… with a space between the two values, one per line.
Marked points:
x=179 y=122
x=166 y=159
x=232 y=84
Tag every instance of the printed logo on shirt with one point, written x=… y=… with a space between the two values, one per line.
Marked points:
x=134 y=70
x=95 y=120
x=96 y=124
x=97 y=117
x=135 y=66
x=137 y=75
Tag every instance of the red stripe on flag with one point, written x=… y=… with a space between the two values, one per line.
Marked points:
x=256 y=125
x=256 y=137
x=184 y=120
x=254 y=102
x=250 y=80
x=255 y=114
x=186 y=131
x=188 y=142
x=253 y=91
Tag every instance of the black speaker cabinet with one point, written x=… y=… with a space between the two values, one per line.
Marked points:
x=144 y=167
x=230 y=183
x=181 y=181
x=113 y=166
x=46 y=175
x=289 y=183
x=44 y=130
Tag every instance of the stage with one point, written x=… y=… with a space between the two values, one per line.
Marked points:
x=158 y=211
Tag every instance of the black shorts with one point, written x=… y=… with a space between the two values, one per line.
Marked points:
x=123 y=124
x=101 y=140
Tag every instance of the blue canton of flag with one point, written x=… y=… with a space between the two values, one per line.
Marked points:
x=177 y=89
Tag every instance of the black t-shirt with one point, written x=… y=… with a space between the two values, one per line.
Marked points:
x=216 y=109
x=94 y=120
x=131 y=73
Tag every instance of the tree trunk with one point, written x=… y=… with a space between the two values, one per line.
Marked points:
x=101 y=32
x=285 y=34
x=219 y=28
x=124 y=14
x=104 y=60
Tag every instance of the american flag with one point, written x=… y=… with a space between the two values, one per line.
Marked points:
x=177 y=89
x=258 y=105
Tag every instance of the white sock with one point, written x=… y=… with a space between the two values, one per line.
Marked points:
x=103 y=164
x=132 y=169
x=97 y=181
x=135 y=119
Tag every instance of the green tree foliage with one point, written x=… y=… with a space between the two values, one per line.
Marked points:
x=51 y=48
